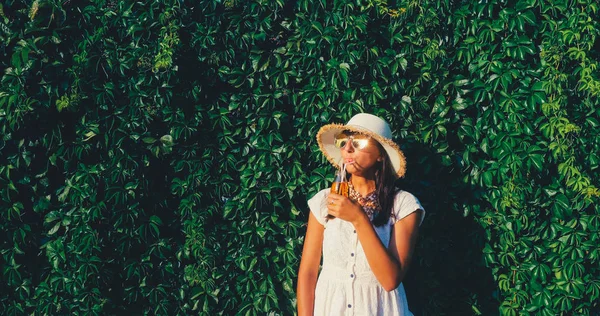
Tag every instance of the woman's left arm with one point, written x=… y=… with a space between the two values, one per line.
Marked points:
x=389 y=265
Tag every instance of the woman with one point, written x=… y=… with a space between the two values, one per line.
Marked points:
x=367 y=239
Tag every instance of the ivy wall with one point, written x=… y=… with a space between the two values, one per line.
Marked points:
x=156 y=156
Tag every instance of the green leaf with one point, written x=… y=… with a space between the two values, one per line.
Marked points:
x=54 y=229
x=155 y=220
x=538 y=161
x=562 y=201
x=149 y=140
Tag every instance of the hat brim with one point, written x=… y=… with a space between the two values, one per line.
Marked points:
x=326 y=141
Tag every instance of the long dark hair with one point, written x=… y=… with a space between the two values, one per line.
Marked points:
x=385 y=178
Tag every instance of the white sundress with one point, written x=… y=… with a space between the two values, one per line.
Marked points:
x=346 y=284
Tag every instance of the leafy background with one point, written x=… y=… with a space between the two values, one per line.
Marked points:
x=156 y=157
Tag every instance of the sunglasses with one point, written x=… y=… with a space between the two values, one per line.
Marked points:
x=357 y=141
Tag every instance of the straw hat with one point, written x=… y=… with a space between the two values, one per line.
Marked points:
x=366 y=124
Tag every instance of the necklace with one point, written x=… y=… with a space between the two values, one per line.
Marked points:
x=369 y=203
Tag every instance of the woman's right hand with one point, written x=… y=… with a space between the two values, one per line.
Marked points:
x=344 y=208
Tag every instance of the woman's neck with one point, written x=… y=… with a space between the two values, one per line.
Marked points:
x=363 y=185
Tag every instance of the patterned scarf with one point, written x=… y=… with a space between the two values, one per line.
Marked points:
x=369 y=203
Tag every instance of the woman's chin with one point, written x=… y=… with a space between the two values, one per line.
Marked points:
x=359 y=172
x=354 y=171
x=350 y=168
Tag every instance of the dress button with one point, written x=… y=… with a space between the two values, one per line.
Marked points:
x=352 y=254
x=349 y=306
x=351 y=275
x=355 y=231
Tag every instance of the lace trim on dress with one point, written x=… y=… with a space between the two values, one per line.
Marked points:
x=369 y=203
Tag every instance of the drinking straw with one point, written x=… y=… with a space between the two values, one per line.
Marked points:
x=343 y=175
